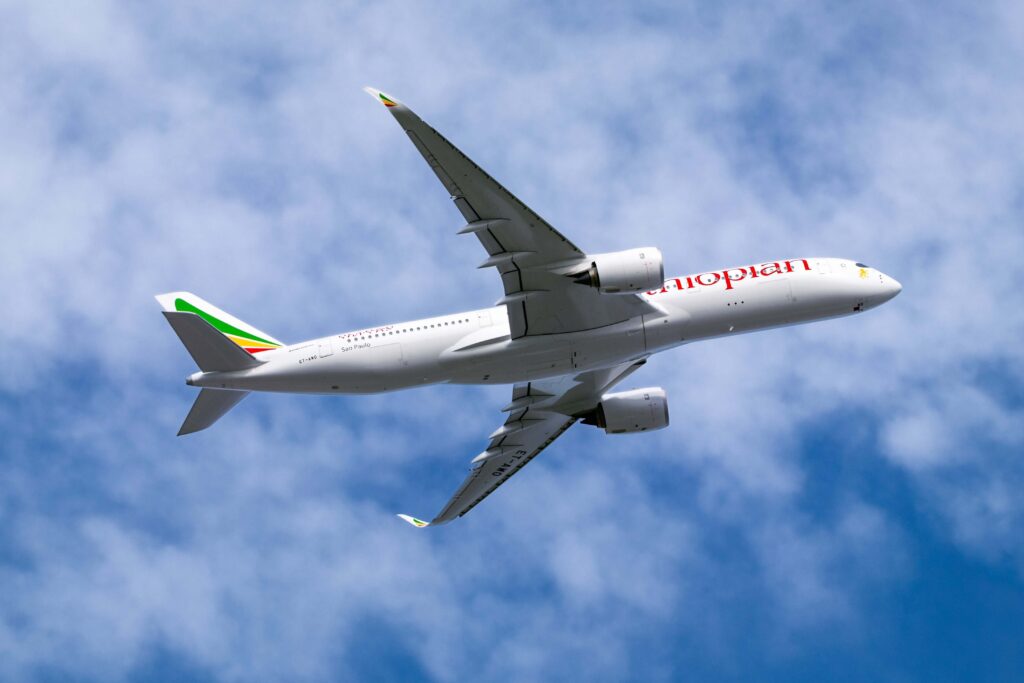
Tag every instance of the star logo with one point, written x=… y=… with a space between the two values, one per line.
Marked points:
x=863 y=273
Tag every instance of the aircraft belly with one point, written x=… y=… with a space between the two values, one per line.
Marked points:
x=509 y=361
x=609 y=345
x=349 y=368
x=760 y=304
x=750 y=305
x=832 y=297
x=537 y=357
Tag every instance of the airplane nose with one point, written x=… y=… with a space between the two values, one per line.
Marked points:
x=892 y=287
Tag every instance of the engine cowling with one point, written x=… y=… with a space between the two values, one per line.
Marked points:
x=624 y=272
x=638 y=410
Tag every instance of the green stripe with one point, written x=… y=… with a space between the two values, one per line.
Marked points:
x=182 y=305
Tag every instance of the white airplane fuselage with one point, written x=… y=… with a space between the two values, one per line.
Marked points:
x=474 y=347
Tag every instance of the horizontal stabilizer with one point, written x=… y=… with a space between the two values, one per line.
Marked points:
x=210 y=406
x=211 y=350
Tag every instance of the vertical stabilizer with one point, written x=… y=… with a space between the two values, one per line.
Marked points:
x=211 y=350
x=240 y=333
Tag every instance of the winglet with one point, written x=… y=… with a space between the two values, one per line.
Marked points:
x=415 y=522
x=383 y=98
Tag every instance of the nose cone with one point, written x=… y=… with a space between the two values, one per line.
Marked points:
x=891 y=286
x=884 y=289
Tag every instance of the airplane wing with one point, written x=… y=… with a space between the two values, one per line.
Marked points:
x=537 y=415
x=532 y=257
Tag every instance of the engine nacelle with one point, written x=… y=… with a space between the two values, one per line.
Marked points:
x=624 y=272
x=638 y=410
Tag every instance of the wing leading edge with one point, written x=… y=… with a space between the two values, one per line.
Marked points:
x=537 y=415
x=532 y=257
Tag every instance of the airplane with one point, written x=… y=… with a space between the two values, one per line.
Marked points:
x=571 y=325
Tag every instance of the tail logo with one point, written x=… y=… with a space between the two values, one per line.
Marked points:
x=248 y=341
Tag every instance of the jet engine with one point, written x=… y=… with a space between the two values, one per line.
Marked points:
x=624 y=272
x=638 y=410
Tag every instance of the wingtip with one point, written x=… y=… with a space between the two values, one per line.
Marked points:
x=418 y=523
x=382 y=97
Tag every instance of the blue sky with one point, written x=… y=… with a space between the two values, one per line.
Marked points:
x=839 y=501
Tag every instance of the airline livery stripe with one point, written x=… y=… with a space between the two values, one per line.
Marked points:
x=220 y=325
x=242 y=341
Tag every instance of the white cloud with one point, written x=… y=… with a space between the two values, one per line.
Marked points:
x=229 y=151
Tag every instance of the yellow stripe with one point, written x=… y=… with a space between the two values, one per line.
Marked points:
x=250 y=343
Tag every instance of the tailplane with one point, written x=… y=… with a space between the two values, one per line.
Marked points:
x=210 y=406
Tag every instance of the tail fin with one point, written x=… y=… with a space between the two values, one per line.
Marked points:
x=210 y=406
x=218 y=342
x=211 y=350
x=242 y=334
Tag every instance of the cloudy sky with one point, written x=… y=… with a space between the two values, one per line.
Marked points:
x=840 y=501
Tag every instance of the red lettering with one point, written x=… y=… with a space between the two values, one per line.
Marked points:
x=664 y=287
x=789 y=264
x=730 y=276
x=708 y=284
x=729 y=280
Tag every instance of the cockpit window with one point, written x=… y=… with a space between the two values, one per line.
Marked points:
x=861 y=265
